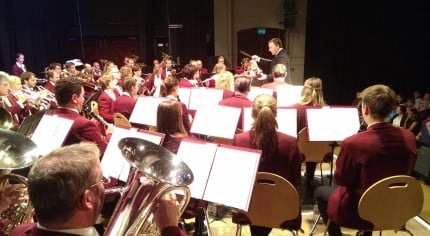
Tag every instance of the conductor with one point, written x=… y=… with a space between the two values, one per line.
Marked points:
x=281 y=56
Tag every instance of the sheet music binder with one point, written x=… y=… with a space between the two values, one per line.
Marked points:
x=51 y=132
x=145 y=111
x=286 y=117
x=216 y=120
x=332 y=123
x=202 y=97
x=288 y=95
x=217 y=177
x=113 y=164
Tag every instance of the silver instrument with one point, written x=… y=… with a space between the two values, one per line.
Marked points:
x=16 y=152
x=165 y=173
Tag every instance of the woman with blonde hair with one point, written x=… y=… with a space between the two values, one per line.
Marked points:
x=225 y=81
x=280 y=153
x=312 y=95
x=106 y=100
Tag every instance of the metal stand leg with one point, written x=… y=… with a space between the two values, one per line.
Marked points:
x=315 y=225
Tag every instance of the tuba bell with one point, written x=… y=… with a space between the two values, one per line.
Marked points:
x=5 y=119
x=165 y=173
x=16 y=152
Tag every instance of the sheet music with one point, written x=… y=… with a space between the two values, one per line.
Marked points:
x=255 y=91
x=199 y=157
x=332 y=124
x=286 y=118
x=215 y=120
x=184 y=95
x=51 y=132
x=113 y=163
x=232 y=177
x=202 y=97
x=288 y=95
x=145 y=111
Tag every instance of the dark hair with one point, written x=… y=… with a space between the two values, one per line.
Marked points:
x=276 y=41
x=18 y=55
x=402 y=108
x=53 y=65
x=189 y=70
x=56 y=182
x=65 y=88
x=380 y=99
x=69 y=64
x=128 y=83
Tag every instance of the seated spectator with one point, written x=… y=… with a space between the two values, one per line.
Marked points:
x=398 y=120
x=411 y=122
x=423 y=137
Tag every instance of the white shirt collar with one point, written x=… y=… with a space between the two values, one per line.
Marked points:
x=72 y=109
x=280 y=79
x=89 y=231
x=126 y=94
x=278 y=51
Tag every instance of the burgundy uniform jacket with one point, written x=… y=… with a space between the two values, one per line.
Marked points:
x=286 y=162
x=106 y=107
x=124 y=105
x=365 y=158
x=81 y=130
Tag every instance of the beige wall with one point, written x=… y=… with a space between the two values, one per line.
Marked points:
x=231 y=16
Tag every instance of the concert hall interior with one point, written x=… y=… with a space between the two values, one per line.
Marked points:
x=284 y=116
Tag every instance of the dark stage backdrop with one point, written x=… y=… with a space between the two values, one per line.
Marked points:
x=354 y=44
x=50 y=30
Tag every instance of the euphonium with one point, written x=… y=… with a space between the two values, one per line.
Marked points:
x=16 y=152
x=165 y=173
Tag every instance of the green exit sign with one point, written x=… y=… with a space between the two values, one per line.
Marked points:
x=261 y=31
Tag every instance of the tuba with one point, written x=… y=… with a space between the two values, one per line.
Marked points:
x=16 y=152
x=165 y=173
x=5 y=119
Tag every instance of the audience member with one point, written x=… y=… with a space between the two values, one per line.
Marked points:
x=398 y=120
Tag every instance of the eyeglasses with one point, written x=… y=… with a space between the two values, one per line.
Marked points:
x=104 y=180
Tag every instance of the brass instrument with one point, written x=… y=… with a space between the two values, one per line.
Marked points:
x=5 y=119
x=46 y=98
x=16 y=152
x=165 y=173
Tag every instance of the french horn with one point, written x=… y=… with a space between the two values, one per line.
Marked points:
x=165 y=173
x=16 y=152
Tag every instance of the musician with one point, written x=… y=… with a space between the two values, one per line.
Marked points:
x=170 y=123
x=242 y=87
x=107 y=97
x=69 y=94
x=169 y=88
x=312 y=95
x=125 y=103
x=20 y=104
x=66 y=190
x=365 y=158
x=54 y=66
x=167 y=65
x=52 y=77
x=202 y=71
x=97 y=71
x=152 y=84
x=280 y=155
x=190 y=75
x=279 y=74
x=18 y=68
x=137 y=74
x=87 y=73
x=281 y=56
x=225 y=81
x=28 y=80
x=166 y=216
x=244 y=63
x=4 y=84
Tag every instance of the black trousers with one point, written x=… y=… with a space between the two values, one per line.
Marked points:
x=259 y=230
x=322 y=194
